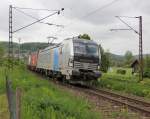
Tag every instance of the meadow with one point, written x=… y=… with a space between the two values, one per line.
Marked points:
x=126 y=83
x=41 y=99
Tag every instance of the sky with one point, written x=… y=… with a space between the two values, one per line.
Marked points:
x=94 y=17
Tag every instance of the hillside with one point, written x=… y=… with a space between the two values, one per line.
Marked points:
x=116 y=57
x=34 y=46
x=25 y=47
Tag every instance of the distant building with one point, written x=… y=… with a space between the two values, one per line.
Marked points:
x=135 y=66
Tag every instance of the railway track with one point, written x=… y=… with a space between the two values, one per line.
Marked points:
x=133 y=103
x=136 y=104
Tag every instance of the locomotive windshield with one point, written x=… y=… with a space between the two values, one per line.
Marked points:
x=86 y=48
x=79 y=48
x=92 y=49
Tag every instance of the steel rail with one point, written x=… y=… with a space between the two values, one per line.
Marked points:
x=133 y=103
x=135 y=99
x=140 y=106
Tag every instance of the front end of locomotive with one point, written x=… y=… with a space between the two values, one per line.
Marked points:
x=85 y=61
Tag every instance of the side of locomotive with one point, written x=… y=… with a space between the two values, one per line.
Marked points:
x=48 y=61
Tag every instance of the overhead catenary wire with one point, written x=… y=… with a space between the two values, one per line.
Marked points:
x=34 y=9
x=91 y=13
x=36 y=18
x=119 y=29
x=35 y=22
x=100 y=8
x=94 y=11
x=126 y=16
x=27 y=14
x=127 y=25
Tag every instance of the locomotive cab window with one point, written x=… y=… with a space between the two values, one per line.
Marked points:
x=85 y=48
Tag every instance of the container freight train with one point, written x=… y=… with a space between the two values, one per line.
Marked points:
x=75 y=60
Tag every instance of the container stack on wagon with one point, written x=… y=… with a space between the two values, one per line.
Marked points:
x=32 y=60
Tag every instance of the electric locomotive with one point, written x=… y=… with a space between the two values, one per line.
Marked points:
x=79 y=60
x=74 y=59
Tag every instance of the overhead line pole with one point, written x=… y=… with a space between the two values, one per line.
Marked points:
x=140 y=42
x=11 y=58
x=10 y=45
x=140 y=48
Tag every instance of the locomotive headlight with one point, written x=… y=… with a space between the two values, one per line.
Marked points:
x=70 y=62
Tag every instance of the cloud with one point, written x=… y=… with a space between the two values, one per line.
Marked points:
x=97 y=25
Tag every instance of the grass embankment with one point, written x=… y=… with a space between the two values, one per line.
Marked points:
x=3 y=100
x=4 y=113
x=42 y=100
x=127 y=83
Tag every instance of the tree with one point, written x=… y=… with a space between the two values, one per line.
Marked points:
x=128 y=58
x=146 y=72
x=1 y=51
x=1 y=54
x=147 y=62
x=105 y=59
x=85 y=36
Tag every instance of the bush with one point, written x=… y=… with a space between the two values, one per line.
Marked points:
x=146 y=73
x=121 y=71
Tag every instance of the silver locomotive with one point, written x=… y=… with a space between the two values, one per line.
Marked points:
x=76 y=60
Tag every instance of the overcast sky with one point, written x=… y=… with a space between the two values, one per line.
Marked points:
x=93 y=17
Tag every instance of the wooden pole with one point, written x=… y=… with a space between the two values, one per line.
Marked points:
x=18 y=103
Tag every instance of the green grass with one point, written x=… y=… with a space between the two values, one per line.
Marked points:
x=4 y=113
x=2 y=80
x=113 y=71
x=43 y=100
x=125 y=83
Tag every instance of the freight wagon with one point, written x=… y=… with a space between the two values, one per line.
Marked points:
x=32 y=60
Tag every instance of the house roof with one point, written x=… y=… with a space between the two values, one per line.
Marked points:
x=135 y=62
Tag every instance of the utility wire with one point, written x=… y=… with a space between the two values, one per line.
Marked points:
x=127 y=24
x=35 y=22
x=96 y=10
x=119 y=29
x=35 y=9
x=36 y=18
x=100 y=8
x=126 y=16
x=27 y=14
x=92 y=12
